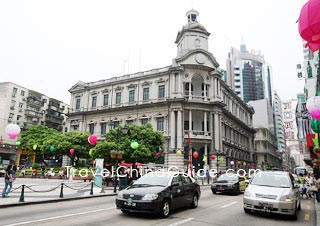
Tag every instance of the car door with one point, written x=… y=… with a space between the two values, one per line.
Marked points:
x=177 y=191
x=189 y=189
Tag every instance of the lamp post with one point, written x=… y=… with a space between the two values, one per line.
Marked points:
x=124 y=131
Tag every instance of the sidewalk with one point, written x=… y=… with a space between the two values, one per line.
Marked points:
x=46 y=190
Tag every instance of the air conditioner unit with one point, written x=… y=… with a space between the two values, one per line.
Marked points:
x=13 y=95
x=12 y=107
x=24 y=99
x=20 y=110
x=9 y=119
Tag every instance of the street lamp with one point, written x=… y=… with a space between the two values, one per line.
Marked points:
x=124 y=131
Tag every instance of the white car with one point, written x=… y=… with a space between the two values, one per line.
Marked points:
x=273 y=192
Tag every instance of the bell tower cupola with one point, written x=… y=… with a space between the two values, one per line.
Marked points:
x=192 y=36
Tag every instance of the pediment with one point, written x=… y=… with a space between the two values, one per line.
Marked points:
x=78 y=86
x=198 y=57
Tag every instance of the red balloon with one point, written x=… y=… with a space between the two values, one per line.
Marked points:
x=212 y=157
x=309 y=24
x=239 y=163
x=71 y=151
x=195 y=155
x=92 y=139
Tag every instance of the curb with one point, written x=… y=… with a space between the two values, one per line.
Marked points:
x=52 y=200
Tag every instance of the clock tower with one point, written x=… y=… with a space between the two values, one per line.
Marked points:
x=192 y=36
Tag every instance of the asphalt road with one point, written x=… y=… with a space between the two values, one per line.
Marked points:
x=213 y=210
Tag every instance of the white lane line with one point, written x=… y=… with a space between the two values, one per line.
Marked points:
x=230 y=204
x=58 y=217
x=181 y=222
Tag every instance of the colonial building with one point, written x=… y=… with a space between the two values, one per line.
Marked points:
x=26 y=107
x=185 y=99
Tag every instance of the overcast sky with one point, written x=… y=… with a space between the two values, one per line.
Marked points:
x=48 y=46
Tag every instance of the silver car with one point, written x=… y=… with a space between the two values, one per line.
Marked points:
x=274 y=192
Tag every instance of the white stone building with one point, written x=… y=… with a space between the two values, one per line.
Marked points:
x=26 y=107
x=187 y=97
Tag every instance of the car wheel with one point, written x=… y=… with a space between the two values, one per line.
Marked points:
x=246 y=210
x=194 y=202
x=295 y=215
x=165 y=209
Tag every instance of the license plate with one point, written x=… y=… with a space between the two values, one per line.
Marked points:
x=265 y=206
x=130 y=204
x=220 y=188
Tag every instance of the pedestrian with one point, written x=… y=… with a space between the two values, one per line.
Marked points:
x=317 y=183
x=208 y=176
x=71 y=174
x=23 y=171
x=43 y=170
x=8 y=179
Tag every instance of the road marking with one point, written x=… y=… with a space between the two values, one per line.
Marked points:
x=308 y=207
x=306 y=217
x=58 y=217
x=181 y=222
x=230 y=204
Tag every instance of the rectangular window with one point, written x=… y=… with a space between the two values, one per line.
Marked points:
x=94 y=102
x=129 y=122
x=146 y=93
x=20 y=105
x=75 y=127
x=91 y=128
x=14 y=90
x=160 y=124
x=13 y=104
x=161 y=91
x=103 y=127
x=144 y=121
x=118 y=98
x=106 y=100
x=131 y=96
x=115 y=124
x=22 y=93
x=18 y=117
x=77 y=103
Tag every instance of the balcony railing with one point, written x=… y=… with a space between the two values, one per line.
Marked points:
x=33 y=113
x=197 y=134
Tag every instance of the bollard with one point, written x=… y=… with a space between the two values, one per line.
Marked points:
x=61 y=191
x=91 y=191
x=22 y=194
x=102 y=188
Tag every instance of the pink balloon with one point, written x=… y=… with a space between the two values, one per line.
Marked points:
x=92 y=139
x=158 y=154
x=313 y=106
x=72 y=151
x=13 y=131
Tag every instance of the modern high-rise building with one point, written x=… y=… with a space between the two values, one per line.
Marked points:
x=25 y=107
x=249 y=75
x=187 y=100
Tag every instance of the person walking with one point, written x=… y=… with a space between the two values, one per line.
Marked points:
x=8 y=179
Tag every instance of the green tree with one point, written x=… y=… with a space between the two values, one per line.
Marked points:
x=39 y=139
x=149 y=142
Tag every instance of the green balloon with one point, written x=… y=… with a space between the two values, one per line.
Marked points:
x=35 y=147
x=221 y=159
x=134 y=145
x=52 y=148
x=18 y=143
x=315 y=125
x=90 y=152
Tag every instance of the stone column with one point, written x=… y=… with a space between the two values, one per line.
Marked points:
x=216 y=132
x=204 y=91
x=205 y=122
x=190 y=120
x=173 y=131
x=179 y=130
x=190 y=95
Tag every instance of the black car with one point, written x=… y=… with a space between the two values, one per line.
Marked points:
x=159 y=193
x=229 y=183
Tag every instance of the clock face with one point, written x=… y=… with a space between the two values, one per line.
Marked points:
x=200 y=58
x=197 y=42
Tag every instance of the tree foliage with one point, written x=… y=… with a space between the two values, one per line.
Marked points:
x=149 y=142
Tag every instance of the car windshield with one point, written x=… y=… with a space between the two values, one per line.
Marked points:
x=228 y=177
x=153 y=179
x=272 y=180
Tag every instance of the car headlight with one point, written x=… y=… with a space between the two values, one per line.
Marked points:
x=231 y=186
x=247 y=193
x=120 y=195
x=287 y=198
x=149 y=197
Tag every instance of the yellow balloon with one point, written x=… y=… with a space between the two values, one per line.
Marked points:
x=90 y=152
x=204 y=158
x=179 y=152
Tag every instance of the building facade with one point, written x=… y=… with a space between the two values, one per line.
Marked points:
x=187 y=99
x=249 y=75
x=25 y=107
